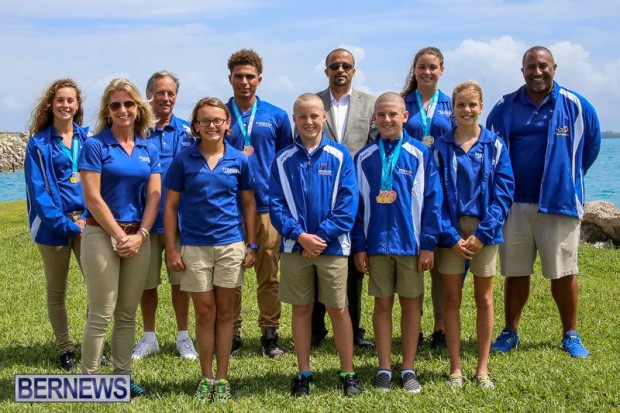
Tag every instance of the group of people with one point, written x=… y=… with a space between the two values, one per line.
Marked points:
x=392 y=187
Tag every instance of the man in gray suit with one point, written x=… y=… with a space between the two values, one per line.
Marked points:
x=349 y=121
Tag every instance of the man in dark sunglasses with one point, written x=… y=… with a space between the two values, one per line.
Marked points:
x=349 y=121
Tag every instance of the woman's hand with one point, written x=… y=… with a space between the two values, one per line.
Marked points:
x=174 y=260
x=250 y=259
x=129 y=246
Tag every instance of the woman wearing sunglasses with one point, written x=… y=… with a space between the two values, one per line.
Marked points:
x=430 y=112
x=121 y=178
x=55 y=200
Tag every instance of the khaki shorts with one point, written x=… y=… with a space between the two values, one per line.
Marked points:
x=554 y=237
x=153 y=278
x=482 y=265
x=391 y=274
x=299 y=277
x=209 y=267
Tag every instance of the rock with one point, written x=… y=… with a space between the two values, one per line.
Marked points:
x=12 y=151
x=601 y=223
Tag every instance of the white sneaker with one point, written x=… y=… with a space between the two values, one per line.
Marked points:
x=186 y=349
x=145 y=348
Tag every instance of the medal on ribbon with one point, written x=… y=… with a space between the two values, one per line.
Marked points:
x=386 y=194
x=73 y=155
x=426 y=116
x=246 y=132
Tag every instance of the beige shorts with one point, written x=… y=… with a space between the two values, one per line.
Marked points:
x=482 y=265
x=299 y=277
x=153 y=278
x=391 y=274
x=209 y=267
x=554 y=237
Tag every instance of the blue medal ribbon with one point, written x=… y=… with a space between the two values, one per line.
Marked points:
x=73 y=154
x=246 y=132
x=388 y=163
x=427 y=115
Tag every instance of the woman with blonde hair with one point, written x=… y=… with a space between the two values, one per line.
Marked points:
x=54 y=197
x=122 y=186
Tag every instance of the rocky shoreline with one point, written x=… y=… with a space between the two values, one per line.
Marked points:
x=600 y=226
x=12 y=151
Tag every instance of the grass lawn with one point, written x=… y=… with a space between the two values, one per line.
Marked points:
x=537 y=377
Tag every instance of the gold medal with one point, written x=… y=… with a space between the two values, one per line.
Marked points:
x=248 y=150
x=386 y=197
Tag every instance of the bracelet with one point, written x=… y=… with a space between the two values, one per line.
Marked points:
x=144 y=232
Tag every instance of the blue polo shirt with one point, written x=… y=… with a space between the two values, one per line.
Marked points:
x=210 y=200
x=124 y=177
x=170 y=140
x=528 y=145
x=71 y=194
x=271 y=133
x=440 y=123
x=469 y=180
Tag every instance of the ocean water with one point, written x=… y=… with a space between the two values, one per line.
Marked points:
x=602 y=180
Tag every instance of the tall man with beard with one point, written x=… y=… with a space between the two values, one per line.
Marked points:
x=349 y=121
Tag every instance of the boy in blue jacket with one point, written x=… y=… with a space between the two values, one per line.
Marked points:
x=396 y=230
x=313 y=201
x=478 y=185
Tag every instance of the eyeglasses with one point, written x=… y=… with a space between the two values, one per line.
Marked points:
x=215 y=122
x=128 y=104
x=337 y=65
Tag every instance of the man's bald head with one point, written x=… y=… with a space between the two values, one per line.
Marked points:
x=390 y=97
x=309 y=98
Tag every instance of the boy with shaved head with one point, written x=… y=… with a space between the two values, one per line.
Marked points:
x=313 y=199
x=395 y=232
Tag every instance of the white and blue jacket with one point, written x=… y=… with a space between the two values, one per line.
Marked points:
x=314 y=193
x=412 y=222
x=573 y=143
x=48 y=223
x=496 y=188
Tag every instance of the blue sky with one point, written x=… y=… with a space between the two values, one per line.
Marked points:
x=95 y=41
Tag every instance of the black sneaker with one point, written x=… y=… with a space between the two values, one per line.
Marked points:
x=438 y=340
x=67 y=360
x=360 y=341
x=237 y=343
x=302 y=385
x=269 y=341
x=383 y=381
x=420 y=340
x=350 y=385
x=138 y=391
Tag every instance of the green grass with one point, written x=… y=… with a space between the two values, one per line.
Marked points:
x=537 y=377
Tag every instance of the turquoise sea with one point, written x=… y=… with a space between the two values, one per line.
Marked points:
x=602 y=182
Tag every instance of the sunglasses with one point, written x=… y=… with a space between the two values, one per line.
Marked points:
x=128 y=104
x=215 y=122
x=336 y=66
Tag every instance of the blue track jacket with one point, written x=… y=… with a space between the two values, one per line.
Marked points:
x=573 y=143
x=314 y=193
x=496 y=192
x=412 y=222
x=48 y=223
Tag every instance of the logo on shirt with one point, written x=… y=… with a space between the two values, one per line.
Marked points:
x=444 y=112
x=231 y=171
x=186 y=143
x=478 y=155
x=562 y=131
x=324 y=171
x=263 y=124
x=145 y=159
x=404 y=171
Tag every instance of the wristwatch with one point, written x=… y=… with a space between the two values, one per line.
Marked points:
x=254 y=247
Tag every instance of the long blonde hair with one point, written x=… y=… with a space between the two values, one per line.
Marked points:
x=145 y=119
x=42 y=114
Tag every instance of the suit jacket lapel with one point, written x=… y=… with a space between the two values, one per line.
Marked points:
x=329 y=123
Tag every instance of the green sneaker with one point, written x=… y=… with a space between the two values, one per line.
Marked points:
x=204 y=393
x=221 y=392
